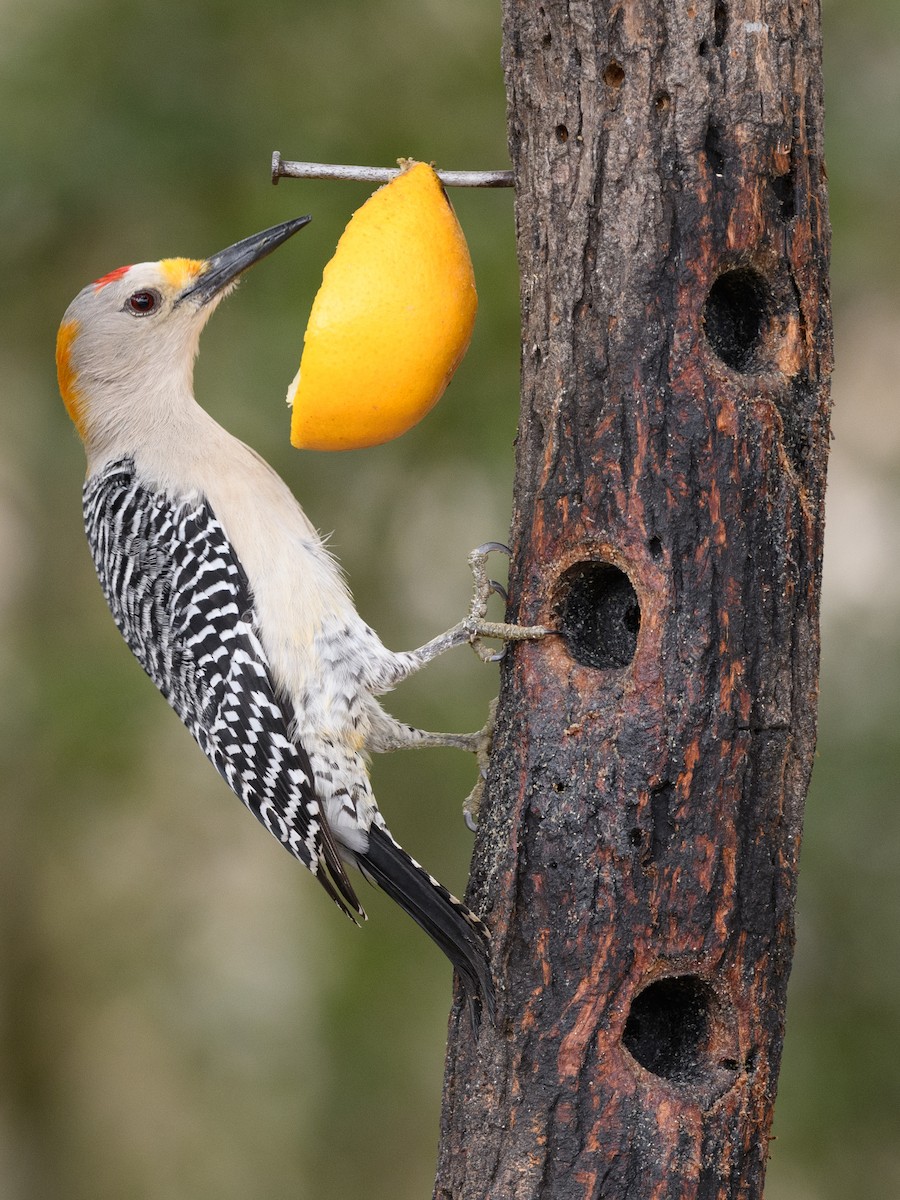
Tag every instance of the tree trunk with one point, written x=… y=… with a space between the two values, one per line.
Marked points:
x=637 y=853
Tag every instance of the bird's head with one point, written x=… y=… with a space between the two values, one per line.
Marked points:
x=138 y=327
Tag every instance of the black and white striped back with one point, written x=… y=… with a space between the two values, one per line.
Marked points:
x=183 y=604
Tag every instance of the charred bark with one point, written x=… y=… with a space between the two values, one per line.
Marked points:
x=637 y=854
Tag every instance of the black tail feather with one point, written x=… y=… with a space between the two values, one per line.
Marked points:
x=446 y=920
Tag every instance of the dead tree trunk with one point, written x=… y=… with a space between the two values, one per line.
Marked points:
x=637 y=855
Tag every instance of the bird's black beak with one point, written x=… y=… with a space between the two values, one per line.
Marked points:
x=222 y=268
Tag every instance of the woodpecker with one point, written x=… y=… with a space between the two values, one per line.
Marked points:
x=230 y=601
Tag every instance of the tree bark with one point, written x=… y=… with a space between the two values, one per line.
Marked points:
x=637 y=853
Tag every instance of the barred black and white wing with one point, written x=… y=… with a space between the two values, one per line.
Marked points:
x=183 y=604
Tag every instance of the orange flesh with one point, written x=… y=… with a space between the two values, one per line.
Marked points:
x=391 y=321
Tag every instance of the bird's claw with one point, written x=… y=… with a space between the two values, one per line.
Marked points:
x=484 y=741
x=499 y=590
x=472 y=805
x=484 y=587
x=479 y=627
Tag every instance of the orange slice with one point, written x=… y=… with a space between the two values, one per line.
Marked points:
x=391 y=321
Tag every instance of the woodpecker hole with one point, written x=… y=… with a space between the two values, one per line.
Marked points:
x=676 y=1030
x=736 y=318
x=614 y=75
x=662 y=102
x=562 y=133
x=598 y=614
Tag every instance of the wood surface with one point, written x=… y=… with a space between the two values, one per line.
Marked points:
x=637 y=853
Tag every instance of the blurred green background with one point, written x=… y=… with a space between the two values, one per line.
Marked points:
x=183 y=1015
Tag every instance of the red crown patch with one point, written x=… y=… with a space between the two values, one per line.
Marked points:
x=111 y=277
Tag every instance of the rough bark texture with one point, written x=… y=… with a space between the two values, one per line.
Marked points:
x=637 y=855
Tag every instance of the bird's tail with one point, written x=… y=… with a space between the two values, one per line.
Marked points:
x=459 y=933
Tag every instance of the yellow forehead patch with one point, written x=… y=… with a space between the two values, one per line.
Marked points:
x=180 y=272
x=67 y=375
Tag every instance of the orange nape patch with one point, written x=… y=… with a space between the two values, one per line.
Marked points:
x=180 y=272
x=111 y=277
x=67 y=375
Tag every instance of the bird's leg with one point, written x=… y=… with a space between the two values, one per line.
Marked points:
x=386 y=733
x=475 y=627
x=385 y=668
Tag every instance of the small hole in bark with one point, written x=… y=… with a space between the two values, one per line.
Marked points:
x=655 y=547
x=635 y=837
x=598 y=614
x=720 y=23
x=663 y=102
x=669 y=1028
x=702 y=48
x=736 y=316
x=712 y=148
x=614 y=75
x=783 y=187
x=562 y=134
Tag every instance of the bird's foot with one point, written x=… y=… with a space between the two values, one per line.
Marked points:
x=483 y=742
x=479 y=626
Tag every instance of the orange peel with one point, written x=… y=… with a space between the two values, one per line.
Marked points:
x=391 y=320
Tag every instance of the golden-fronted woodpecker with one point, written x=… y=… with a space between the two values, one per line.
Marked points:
x=230 y=601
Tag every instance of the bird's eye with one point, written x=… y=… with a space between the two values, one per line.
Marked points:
x=141 y=304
